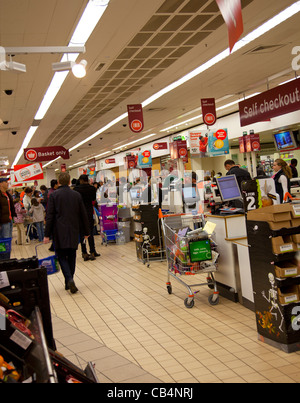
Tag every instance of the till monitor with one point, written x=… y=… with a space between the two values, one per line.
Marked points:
x=285 y=141
x=229 y=188
x=189 y=192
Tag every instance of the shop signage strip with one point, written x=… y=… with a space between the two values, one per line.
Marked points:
x=41 y=154
x=270 y=104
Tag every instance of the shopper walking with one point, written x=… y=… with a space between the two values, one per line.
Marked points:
x=282 y=177
x=88 y=194
x=19 y=222
x=7 y=213
x=38 y=214
x=66 y=216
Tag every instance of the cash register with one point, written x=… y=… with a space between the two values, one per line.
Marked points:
x=231 y=197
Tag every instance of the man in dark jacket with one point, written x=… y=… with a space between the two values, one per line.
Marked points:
x=66 y=219
x=233 y=169
x=7 y=213
x=88 y=194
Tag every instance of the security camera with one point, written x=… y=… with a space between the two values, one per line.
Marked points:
x=8 y=92
x=5 y=122
x=124 y=125
x=13 y=132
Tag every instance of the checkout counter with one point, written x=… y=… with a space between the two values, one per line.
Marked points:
x=234 y=272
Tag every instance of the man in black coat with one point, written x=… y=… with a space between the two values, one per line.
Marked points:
x=66 y=218
x=88 y=194
x=233 y=169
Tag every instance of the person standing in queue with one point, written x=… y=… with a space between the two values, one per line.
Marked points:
x=7 y=213
x=282 y=177
x=88 y=194
x=66 y=218
x=293 y=166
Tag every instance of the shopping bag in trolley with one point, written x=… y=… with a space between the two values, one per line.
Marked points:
x=50 y=263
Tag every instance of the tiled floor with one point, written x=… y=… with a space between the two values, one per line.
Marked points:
x=123 y=309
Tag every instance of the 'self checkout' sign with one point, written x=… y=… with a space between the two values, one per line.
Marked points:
x=275 y=102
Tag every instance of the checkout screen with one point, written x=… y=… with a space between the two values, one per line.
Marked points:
x=229 y=188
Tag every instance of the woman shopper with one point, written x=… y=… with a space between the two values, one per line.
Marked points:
x=38 y=214
x=19 y=221
x=282 y=177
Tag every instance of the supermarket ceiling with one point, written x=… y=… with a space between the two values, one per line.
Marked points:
x=138 y=48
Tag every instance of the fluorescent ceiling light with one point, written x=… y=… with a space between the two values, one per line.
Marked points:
x=100 y=155
x=26 y=141
x=136 y=141
x=48 y=163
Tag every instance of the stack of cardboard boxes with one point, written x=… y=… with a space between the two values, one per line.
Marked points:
x=279 y=218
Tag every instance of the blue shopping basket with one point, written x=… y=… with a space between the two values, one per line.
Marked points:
x=50 y=263
x=5 y=245
x=5 y=248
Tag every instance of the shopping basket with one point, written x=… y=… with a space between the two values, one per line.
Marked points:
x=189 y=252
x=50 y=263
x=5 y=248
x=5 y=245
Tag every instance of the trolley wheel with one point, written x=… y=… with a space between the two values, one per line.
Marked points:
x=189 y=304
x=213 y=300
x=210 y=283
x=169 y=288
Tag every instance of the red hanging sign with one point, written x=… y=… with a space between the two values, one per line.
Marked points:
x=135 y=118
x=232 y=13
x=40 y=154
x=208 y=106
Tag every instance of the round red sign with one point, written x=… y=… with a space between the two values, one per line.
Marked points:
x=209 y=119
x=221 y=134
x=31 y=155
x=136 y=125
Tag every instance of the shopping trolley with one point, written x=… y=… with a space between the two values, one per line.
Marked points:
x=189 y=251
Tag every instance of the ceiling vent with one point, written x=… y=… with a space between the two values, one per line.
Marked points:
x=100 y=67
x=156 y=109
x=264 y=49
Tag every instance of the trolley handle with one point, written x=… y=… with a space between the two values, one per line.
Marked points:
x=161 y=215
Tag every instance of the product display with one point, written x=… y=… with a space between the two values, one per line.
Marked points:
x=275 y=274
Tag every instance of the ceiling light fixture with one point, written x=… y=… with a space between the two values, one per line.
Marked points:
x=79 y=69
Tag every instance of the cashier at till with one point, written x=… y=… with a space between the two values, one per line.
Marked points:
x=282 y=176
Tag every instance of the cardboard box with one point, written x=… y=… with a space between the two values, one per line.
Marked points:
x=289 y=295
x=287 y=269
x=276 y=213
x=296 y=238
x=279 y=225
x=283 y=245
x=295 y=210
x=295 y=222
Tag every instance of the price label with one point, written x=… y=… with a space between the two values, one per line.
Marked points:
x=4 y=282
